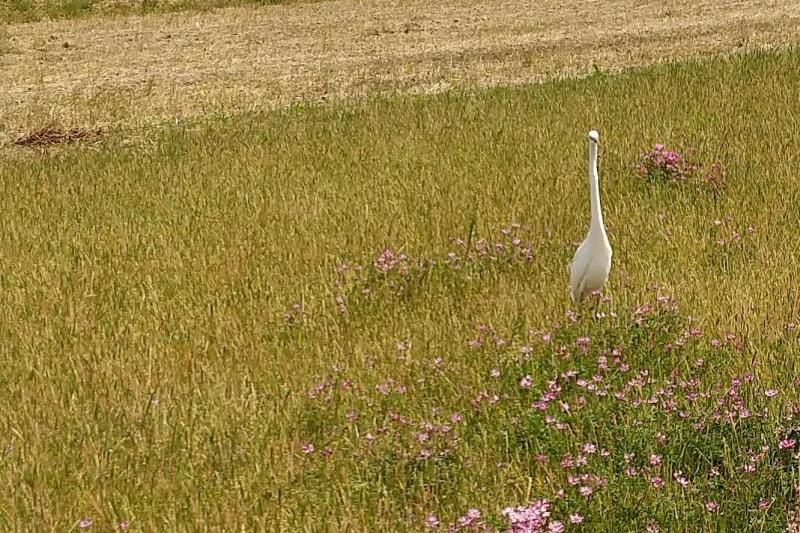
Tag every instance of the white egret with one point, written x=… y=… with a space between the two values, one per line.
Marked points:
x=592 y=261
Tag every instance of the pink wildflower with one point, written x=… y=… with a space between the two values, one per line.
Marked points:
x=432 y=521
x=530 y=518
x=468 y=519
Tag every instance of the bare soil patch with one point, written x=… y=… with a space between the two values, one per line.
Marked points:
x=141 y=69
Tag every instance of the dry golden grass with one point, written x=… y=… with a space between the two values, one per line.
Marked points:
x=150 y=375
x=141 y=69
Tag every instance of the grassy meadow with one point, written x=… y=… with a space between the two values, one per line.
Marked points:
x=22 y=11
x=356 y=317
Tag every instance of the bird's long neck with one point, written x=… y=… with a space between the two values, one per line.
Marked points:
x=594 y=191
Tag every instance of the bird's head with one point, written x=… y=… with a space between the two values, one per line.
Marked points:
x=594 y=136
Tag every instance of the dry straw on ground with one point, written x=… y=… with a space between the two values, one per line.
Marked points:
x=143 y=68
x=55 y=135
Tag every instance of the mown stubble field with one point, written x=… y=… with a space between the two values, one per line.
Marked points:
x=143 y=69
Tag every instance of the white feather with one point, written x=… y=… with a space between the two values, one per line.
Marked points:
x=591 y=263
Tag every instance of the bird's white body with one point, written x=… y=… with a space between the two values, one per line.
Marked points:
x=591 y=263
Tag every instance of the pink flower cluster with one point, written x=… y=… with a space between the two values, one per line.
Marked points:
x=532 y=518
x=550 y=385
x=389 y=260
x=662 y=164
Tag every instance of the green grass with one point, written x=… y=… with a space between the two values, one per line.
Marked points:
x=69 y=9
x=19 y=11
x=155 y=369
